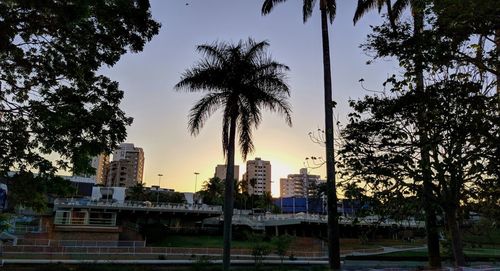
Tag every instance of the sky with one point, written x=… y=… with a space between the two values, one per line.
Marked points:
x=161 y=114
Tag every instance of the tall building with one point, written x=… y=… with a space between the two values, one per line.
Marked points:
x=258 y=176
x=127 y=167
x=299 y=185
x=220 y=172
x=101 y=165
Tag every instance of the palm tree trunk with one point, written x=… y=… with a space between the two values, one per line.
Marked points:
x=425 y=164
x=497 y=45
x=333 y=223
x=228 y=196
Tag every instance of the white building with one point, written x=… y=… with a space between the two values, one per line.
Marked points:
x=258 y=176
x=299 y=185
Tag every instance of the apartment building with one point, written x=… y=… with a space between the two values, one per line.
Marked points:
x=220 y=172
x=101 y=165
x=299 y=185
x=127 y=167
x=258 y=176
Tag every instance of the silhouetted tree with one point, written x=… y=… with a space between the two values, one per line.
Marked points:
x=381 y=154
x=328 y=9
x=52 y=98
x=242 y=79
x=416 y=68
x=212 y=191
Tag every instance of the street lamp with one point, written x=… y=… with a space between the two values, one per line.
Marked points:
x=158 y=190
x=195 y=185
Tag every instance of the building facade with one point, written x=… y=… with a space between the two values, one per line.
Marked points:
x=258 y=176
x=101 y=165
x=299 y=185
x=220 y=172
x=127 y=167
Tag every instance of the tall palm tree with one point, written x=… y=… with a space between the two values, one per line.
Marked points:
x=394 y=13
x=328 y=9
x=242 y=80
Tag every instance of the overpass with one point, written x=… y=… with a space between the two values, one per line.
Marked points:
x=214 y=214
x=136 y=206
x=260 y=222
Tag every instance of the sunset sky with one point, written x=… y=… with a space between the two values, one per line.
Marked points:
x=161 y=114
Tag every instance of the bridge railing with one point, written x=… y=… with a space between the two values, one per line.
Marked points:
x=78 y=243
x=70 y=202
x=302 y=217
x=143 y=251
x=92 y=251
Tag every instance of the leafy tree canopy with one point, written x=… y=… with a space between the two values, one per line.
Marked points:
x=32 y=191
x=52 y=99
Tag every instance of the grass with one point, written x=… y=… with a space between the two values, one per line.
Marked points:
x=211 y=241
x=206 y=267
x=356 y=244
x=473 y=254
x=203 y=241
x=485 y=237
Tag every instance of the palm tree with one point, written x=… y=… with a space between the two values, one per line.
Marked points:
x=366 y=5
x=242 y=79
x=417 y=10
x=328 y=9
x=212 y=191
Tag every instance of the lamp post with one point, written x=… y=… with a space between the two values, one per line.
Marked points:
x=195 y=186
x=158 y=190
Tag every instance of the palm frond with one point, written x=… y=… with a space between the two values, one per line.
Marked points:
x=398 y=8
x=381 y=3
x=307 y=9
x=226 y=120
x=279 y=104
x=363 y=7
x=331 y=8
x=202 y=110
x=214 y=51
x=268 y=5
x=255 y=49
x=245 y=132
x=205 y=76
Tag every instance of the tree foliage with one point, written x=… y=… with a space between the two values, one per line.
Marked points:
x=381 y=151
x=449 y=46
x=212 y=191
x=53 y=101
x=281 y=245
x=33 y=191
x=139 y=193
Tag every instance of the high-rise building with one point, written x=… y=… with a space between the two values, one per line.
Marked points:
x=101 y=165
x=220 y=172
x=127 y=167
x=258 y=176
x=299 y=185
